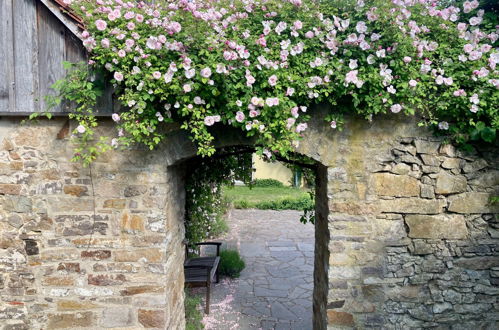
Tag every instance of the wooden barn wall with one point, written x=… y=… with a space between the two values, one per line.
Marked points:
x=33 y=46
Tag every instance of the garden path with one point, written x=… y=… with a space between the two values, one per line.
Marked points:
x=274 y=291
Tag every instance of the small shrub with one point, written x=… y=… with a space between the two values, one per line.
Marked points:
x=267 y=183
x=231 y=263
x=241 y=204
x=299 y=204
x=193 y=315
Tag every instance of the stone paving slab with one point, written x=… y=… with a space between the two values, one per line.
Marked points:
x=275 y=289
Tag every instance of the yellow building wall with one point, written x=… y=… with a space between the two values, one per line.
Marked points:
x=265 y=170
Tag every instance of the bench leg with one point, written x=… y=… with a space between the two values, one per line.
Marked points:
x=207 y=307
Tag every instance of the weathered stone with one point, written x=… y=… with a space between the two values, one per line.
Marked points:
x=447 y=150
x=339 y=318
x=477 y=263
x=475 y=166
x=73 y=320
x=115 y=203
x=387 y=184
x=427 y=147
x=411 y=205
x=427 y=191
x=134 y=290
x=58 y=281
x=421 y=247
x=151 y=318
x=444 y=226
x=10 y=189
x=148 y=255
x=132 y=223
x=401 y=169
x=105 y=280
x=132 y=191
x=15 y=220
x=19 y=204
x=71 y=305
x=430 y=160
x=472 y=202
x=69 y=267
x=96 y=255
x=31 y=247
x=75 y=190
x=450 y=184
x=451 y=163
x=85 y=228
x=486 y=180
x=441 y=308
x=116 y=317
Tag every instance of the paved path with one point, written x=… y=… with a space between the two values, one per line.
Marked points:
x=275 y=289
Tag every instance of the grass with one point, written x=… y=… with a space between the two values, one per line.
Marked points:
x=193 y=315
x=273 y=198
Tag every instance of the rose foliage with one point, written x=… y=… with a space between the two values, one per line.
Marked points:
x=258 y=65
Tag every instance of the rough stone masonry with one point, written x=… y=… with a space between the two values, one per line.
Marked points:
x=406 y=236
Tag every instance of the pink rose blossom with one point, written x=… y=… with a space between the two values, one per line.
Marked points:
x=333 y=124
x=209 y=121
x=156 y=74
x=115 y=117
x=206 y=72
x=272 y=80
x=81 y=129
x=118 y=76
x=443 y=125
x=396 y=108
x=407 y=59
x=413 y=83
x=240 y=117
x=301 y=127
x=105 y=43
x=309 y=34
x=101 y=25
x=187 y=88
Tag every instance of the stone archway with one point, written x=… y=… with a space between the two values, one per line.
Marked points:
x=408 y=237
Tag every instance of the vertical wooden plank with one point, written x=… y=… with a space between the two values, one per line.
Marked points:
x=51 y=39
x=74 y=52
x=6 y=57
x=25 y=56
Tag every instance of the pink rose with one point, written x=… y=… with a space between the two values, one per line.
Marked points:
x=396 y=108
x=272 y=80
x=101 y=25
x=118 y=76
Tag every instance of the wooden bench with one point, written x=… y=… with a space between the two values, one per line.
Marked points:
x=202 y=271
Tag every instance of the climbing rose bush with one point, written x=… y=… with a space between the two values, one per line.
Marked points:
x=259 y=65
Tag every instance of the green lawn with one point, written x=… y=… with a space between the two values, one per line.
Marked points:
x=277 y=198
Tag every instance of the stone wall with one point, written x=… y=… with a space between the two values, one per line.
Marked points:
x=414 y=241
x=70 y=260
x=405 y=235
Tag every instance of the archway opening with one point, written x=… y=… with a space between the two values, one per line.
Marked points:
x=285 y=281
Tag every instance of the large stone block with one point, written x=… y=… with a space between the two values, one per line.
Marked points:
x=10 y=189
x=73 y=320
x=442 y=226
x=335 y=318
x=387 y=184
x=412 y=205
x=450 y=184
x=427 y=147
x=148 y=255
x=116 y=317
x=472 y=202
x=478 y=263
x=151 y=318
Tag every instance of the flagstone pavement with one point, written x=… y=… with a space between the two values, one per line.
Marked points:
x=275 y=289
